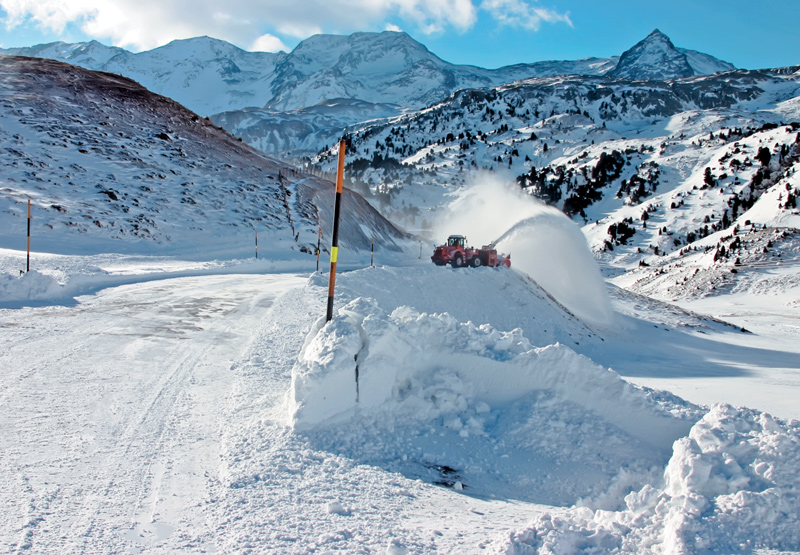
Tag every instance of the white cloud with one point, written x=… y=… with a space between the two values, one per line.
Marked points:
x=392 y=27
x=520 y=13
x=437 y=14
x=268 y=43
x=145 y=24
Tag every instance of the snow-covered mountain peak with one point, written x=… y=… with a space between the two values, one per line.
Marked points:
x=201 y=47
x=90 y=54
x=324 y=51
x=655 y=57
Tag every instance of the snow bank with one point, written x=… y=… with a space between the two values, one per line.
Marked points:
x=32 y=285
x=731 y=486
x=426 y=365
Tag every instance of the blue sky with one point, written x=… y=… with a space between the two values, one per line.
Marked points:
x=489 y=33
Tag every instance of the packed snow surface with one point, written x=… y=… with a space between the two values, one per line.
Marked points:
x=151 y=405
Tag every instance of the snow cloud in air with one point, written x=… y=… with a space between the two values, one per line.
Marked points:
x=542 y=241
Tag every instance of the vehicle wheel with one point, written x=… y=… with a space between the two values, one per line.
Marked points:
x=476 y=262
x=458 y=261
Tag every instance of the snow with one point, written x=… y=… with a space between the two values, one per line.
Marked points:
x=207 y=407
x=555 y=252
x=728 y=488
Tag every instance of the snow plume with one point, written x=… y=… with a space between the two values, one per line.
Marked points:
x=543 y=242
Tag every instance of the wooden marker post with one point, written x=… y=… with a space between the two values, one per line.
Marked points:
x=372 y=253
x=335 y=238
x=28 y=264
x=256 y=244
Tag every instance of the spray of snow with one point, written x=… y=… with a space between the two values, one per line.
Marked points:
x=544 y=243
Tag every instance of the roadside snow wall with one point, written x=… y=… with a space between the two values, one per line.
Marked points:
x=426 y=365
x=727 y=482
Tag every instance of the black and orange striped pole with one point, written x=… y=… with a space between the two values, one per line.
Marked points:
x=28 y=264
x=335 y=238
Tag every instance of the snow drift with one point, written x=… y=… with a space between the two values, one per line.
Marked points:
x=427 y=365
x=730 y=487
x=471 y=406
x=483 y=411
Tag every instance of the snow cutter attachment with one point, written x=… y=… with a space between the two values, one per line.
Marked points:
x=457 y=253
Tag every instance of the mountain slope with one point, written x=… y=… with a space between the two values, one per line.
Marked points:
x=626 y=158
x=105 y=160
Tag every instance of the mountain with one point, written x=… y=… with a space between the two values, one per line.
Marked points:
x=90 y=54
x=211 y=76
x=296 y=102
x=387 y=68
x=105 y=160
x=656 y=57
x=204 y=74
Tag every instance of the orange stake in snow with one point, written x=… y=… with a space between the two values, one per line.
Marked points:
x=28 y=264
x=335 y=238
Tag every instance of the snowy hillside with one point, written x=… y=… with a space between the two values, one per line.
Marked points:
x=649 y=167
x=163 y=389
x=107 y=162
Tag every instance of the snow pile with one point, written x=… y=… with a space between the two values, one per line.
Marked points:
x=428 y=365
x=477 y=409
x=731 y=486
x=486 y=413
x=32 y=285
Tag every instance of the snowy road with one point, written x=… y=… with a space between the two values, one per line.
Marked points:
x=152 y=418
x=112 y=410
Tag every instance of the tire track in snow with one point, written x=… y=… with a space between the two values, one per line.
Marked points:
x=125 y=443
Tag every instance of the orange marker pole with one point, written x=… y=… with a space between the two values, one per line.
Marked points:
x=335 y=238
x=28 y=265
